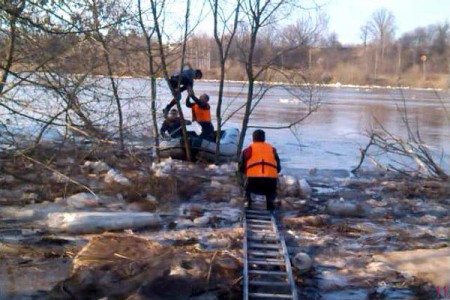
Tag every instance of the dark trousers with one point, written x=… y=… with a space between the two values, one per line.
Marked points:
x=173 y=81
x=262 y=186
x=207 y=131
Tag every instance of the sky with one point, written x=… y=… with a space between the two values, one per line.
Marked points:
x=347 y=16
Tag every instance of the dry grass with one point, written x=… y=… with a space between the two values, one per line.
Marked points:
x=354 y=74
x=349 y=74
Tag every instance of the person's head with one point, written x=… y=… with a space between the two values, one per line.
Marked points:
x=259 y=135
x=204 y=98
x=198 y=74
x=173 y=113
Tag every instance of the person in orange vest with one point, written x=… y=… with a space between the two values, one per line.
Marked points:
x=260 y=164
x=201 y=113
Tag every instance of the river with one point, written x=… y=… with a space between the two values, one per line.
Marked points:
x=330 y=138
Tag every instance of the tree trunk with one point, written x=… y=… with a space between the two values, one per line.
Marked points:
x=152 y=74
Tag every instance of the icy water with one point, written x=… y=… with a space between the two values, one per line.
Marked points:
x=331 y=138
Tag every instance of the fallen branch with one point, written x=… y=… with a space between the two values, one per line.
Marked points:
x=57 y=172
x=363 y=153
x=211 y=265
x=412 y=148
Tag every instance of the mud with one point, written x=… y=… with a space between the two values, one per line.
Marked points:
x=356 y=230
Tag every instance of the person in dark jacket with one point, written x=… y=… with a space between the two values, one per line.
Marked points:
x=260 y=164
x=171 y=126
x=181 y=82
x=201 y=113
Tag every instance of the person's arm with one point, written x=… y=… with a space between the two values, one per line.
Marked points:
x=190 y=89
x=242 y=164
x=163 y=129
x=187 y=122
x=277 y=158
x=243 y=161
x=202 y=104
x=189 y=103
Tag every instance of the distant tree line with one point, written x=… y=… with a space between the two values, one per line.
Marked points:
x=381 y=58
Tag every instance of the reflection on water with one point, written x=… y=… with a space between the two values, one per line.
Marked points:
x=331 y=138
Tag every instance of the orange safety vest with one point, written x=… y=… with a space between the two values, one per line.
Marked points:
x=200 y=115
x=262 y=163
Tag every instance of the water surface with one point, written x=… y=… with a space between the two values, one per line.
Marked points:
x=331 y=138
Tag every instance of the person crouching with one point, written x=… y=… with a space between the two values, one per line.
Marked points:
x=260 y=164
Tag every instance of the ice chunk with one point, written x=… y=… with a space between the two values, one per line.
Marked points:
x=89 y=222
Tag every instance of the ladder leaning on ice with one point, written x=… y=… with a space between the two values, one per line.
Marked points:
x=267 y=268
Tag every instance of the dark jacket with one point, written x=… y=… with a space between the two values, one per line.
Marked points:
x=172 y=126
x=186 y=78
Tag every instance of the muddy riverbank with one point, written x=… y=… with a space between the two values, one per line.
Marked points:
x=93 y=224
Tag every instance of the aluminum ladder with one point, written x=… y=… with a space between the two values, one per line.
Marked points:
x=267 y=268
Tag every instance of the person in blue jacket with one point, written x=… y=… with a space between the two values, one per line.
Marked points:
x=181 y=82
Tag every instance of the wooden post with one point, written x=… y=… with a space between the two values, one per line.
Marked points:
x=423 y=58
x=309 y=58
x=399 y=65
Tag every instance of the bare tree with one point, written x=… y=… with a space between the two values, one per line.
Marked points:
x=99 y=12
x=223 y=37
x=164 y=65
x=14 y=10
x=148 y=34
x=257 y=57
x=23 y=64
x=306 y=31
x=258 y=15
x=441 y=38
x=54 y=59
x=364 y=34
x=301 y=38
x=382 y=29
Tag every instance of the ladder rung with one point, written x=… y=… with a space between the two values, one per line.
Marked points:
x=267 y=295
x=268 y=226
x=268 y=259
x=258 y=217
x=259 y=212
x=258 y=221
x=268 y=253
x=259 y=233
x=271 y=273
x=252 y=256
x=271 y=283
x=267 y=269
x=265 y=262
x=263 y=246
x=259 y=238
x=266 y=230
